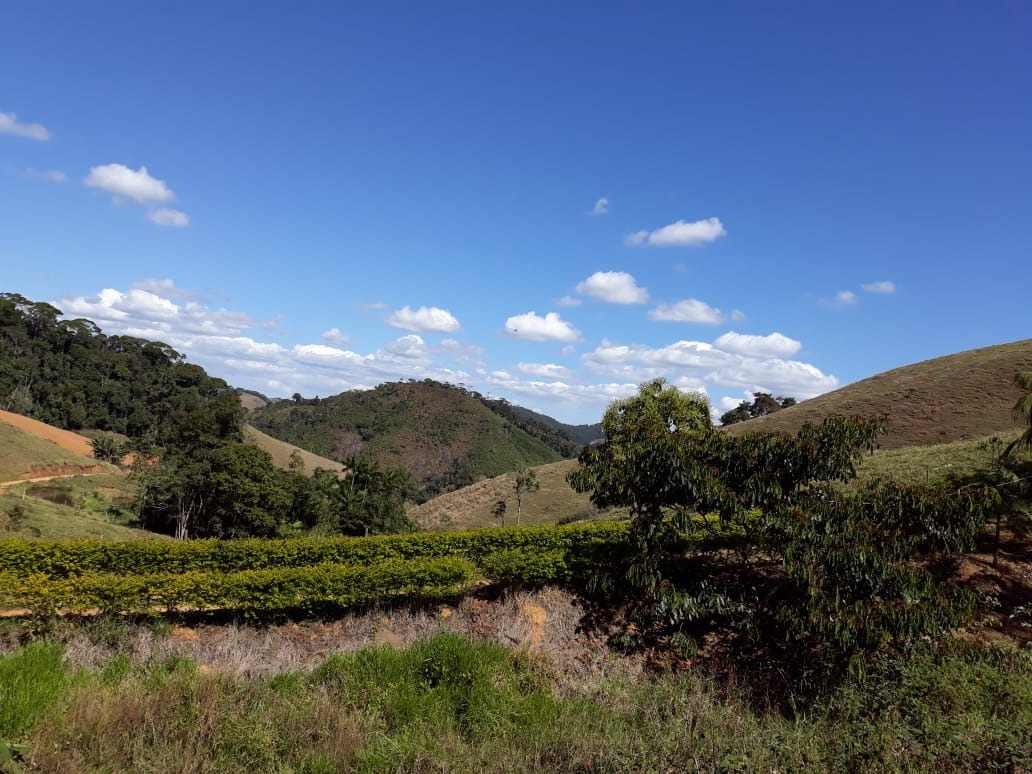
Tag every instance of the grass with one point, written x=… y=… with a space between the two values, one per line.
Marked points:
x=281 y=452
x=923 y=464
x=471 y=506
x=21 y=451
x=452 y=704
x=92 y=506
x=965 y=395
x=30 y=681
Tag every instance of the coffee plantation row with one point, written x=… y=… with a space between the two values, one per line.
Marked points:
x=297 y=574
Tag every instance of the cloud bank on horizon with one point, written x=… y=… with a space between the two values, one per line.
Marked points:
x=230 y=344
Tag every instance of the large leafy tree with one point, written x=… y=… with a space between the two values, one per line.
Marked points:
x=698 y=498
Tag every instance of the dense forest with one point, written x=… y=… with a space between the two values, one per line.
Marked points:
x=70 y=374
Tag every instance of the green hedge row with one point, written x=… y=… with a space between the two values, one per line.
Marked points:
x=264 y=591
x=600 y=543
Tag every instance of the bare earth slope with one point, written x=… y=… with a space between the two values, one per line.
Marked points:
x=966 y=395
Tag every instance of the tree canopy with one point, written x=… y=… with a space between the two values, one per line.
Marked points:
x=763 y=403
x=847 y=579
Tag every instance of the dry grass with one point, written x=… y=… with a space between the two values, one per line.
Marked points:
x=281 y=452
x=952 y=398
x=544 y=622
x=471 y=507
x=189 y=721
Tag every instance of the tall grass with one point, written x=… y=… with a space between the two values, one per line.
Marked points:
x=450 y=704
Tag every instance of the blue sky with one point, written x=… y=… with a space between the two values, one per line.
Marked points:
x=547 y=202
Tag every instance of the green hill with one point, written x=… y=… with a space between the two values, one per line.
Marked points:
x=956 y=397
x=444 y=437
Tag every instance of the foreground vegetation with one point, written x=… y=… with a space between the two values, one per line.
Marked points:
x=454 y=705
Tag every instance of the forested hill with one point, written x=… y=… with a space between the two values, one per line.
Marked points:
x=582 y=435
x=70 y=374
x=444 y=436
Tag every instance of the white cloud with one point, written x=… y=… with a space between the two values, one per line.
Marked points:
x=546 y=370
x=154 y=316
x=334 y=336
x=885 y=287
x=124 y=183
x=700 y=362
x=568 y=301
x=690 y=310
x=166 y=217
x=679 y=234
x=9 y=124
x=737 y=315
x=215 y=339
x=616 y=287
x=426 y=318
x=601 y=207
x=772 y=345
x=50 y=175
x=531 y=327
x=845 y=298
x=539 y=395
x=411 y=346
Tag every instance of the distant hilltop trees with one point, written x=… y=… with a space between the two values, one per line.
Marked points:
x=763 y=403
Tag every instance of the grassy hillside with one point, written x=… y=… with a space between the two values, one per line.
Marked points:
x=961 y=396
x=23 y=453
x=281 y=452
x=471 y=506
x=90 y=506
x=442 y=436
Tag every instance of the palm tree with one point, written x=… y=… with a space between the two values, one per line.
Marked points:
x=1023 y=413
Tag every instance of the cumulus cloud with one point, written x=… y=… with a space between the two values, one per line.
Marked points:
x=9 y=124
x=411 y=346
x=334 y=336
x=616 y=287
x=885 y=287
x=679 y=234
x=425 y=319
x=153 y=316
x=601 y=207
x=701 y=362
x=50 y=175
x=590 y=399
x=772 y=345
x=845 y=298
x=568 y=301
x=546 y=370
x=166 y=217
x=124 y=183
x=690 y=310
x=218 y=340
x=531 y=327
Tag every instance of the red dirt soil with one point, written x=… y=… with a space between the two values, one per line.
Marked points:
x=67 y=440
